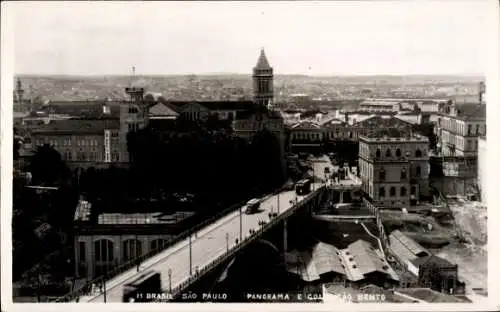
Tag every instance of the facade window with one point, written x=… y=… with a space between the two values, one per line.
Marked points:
x=477 y=129
x=392 y=191
x=418 y=171
x=115 y=156
x=398 y=152
x=381 y=174
x=381 y=192
x=103 y=250
x=403 y=174
x=388 y=153
x=418 y=153
x=403 y=191
x=377 y=153
x=469 y=130
x=67 y=155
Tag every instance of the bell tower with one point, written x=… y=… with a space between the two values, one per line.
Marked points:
x=19 y=92
x=263 y=81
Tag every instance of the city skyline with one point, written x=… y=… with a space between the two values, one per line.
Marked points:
x=402 y=38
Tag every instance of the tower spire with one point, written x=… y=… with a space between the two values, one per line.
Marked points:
x=263 y=81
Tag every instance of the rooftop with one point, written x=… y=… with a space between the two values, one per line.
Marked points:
x=432 y=260
x=262 y=62
x=355 y=262
x=383 y=137
x=78 y=126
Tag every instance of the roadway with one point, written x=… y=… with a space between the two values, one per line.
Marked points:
x=209 y=244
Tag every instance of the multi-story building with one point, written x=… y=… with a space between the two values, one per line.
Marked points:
x=106 y=240
x=459 y=131
x=82 y=142
x=482 y=169
x=394 y=170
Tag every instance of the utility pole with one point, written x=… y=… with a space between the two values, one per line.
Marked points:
x=227 y=242
x=104 y=288
x=170 y=280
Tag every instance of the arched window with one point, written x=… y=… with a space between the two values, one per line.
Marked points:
x=67 y=155
x=115 y=156
x=103 y=250
x=418 y=153
x=469 y=130
x=381 y=174
x=418 y=171
x=377 y=153
x=403 y=174
x=392 y=191
x=403 y=191
x=158 y=244
x=398 y=152
x=131 y=249
x=381 y=192
x=388 y=153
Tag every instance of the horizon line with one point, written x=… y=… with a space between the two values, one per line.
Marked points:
x=465 y=75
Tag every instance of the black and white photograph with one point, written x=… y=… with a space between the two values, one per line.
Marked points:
x=327 y=153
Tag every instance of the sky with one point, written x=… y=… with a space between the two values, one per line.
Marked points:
x=312 y=38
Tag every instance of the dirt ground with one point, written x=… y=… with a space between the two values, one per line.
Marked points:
x=470 y=252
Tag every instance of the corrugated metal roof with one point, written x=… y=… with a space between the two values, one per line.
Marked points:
x=413 y=247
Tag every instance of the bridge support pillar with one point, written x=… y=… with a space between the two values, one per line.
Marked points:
x=341 y=199
x=285 y=235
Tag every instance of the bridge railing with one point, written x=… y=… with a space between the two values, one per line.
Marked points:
x=86 y=289
x=248 y=238
x=118 y=269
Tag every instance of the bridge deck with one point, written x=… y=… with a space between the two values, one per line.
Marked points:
x=208 y=246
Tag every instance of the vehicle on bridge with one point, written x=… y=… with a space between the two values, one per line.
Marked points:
x=253 y=206
x=144 y=288
x=303 y=187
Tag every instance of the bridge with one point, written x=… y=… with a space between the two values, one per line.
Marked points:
x=184 y=263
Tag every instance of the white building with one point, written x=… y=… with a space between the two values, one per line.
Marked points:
x=482 y=169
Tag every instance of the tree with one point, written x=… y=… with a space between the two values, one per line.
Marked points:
x=47 y=166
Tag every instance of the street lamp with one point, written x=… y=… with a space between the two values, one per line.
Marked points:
x=227 y=242
x=170 y=280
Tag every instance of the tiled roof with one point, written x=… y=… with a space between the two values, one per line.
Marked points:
x=161 y=109
x=432 y=260
x=78 y=126
x=305 y=125
x=91 y=109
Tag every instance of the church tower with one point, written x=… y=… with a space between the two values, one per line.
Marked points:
x=263 y=81
x=19 y=92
